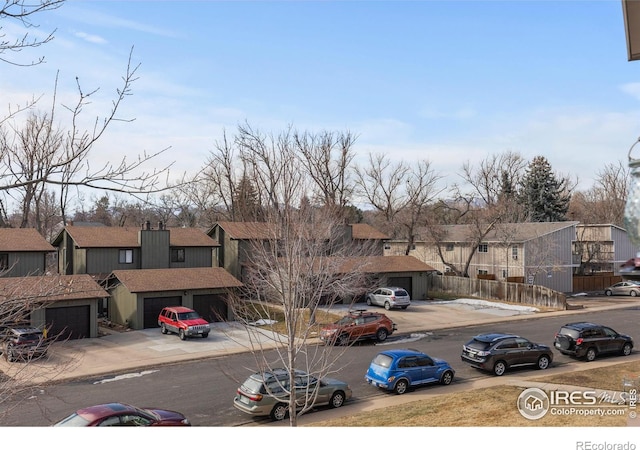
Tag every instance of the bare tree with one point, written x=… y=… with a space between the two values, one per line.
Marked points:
x=23 y=12
x=302 y=265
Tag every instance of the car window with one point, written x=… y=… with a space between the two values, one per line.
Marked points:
x=424 y=361
x=113 y=421
x=383 y=360
x=133 y=420
x=345 y=321
x=408 y=362
x=478 y=345
x=523 y=343
x=370 y=319
x=609 y=332
x=401 y=293
x=575 y=334
x=507 y=344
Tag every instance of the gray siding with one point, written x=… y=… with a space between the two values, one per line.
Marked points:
x=194 y=257
x=22 y=264
x=155 y=253
x=105 y=260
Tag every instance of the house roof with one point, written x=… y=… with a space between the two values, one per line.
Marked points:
x=372 y=264
x=110 y=237
x=247 y=230
x=23 y=240
x=511 y=232
x=155 y=280
x=51 y=288
x=366 y=231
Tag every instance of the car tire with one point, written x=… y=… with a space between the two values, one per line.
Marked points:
x=11 y=357
x=633 y=293
x=591 y=354
x=387 y=306
x=401 y=387
x=564 y=342
x=163 y=329
x=279 y=412
x=382 y=335
x=446 y=378
x=368 y=301
x=342 y=340
x=499 y=368
x=182 y=335
x=337 y=399
x=608 y=293
x=205 y=335
x=544 y=362
x=626 y=349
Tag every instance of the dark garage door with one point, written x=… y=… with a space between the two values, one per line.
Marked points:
x=212 y=307
x=153 y=306
x=71 y=322
x=403 y=282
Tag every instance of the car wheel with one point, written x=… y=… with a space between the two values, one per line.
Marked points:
x=499 y=368
x=381 y=335
x=11 y=356
x=591 y=354
x=387 y=306
x=608 y=293
x=279 y=412
x=543 y=362
x=368 y=301
x=633 y=293
x=337 y=399
x=163 y=329
x=447 y=378
x=343 y=339
x=181 y=334
x=401 y=387
x=205 y=335
x=626 y=349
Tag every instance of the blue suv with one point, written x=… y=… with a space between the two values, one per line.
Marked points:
x=397 y=370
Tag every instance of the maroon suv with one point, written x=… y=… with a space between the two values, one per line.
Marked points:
x=356 y=325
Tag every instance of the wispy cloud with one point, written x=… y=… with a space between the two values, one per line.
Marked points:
x=94 y=39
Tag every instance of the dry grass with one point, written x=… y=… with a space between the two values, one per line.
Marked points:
x=495 y=406
x=275 y=314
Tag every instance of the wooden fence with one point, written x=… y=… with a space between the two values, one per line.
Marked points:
x=524 y=294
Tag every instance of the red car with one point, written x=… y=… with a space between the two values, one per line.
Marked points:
x=121 y=414
x=183 y=321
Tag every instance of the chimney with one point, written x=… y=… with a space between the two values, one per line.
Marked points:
x=161 y=225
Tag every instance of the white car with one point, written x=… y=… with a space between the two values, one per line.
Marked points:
x=389 y=297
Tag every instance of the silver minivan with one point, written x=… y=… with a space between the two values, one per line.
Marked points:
x=389 y=297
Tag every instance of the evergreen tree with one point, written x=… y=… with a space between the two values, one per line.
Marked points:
x=544 y=196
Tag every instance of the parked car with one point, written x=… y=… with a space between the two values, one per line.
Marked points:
x=631 y=288
x=123 y=415
x=356 y=325
x=499 y=352
x=22 y=342
x=389 y=297
x=398 y=370
x=267 y=393
x=588 y=340
x=183 y=321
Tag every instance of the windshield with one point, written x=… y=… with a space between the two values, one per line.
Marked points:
x=188 y=315
x=74 y=420
x=345 y=321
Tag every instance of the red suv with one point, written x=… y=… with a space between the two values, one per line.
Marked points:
x=183 y=321
x=358 y=324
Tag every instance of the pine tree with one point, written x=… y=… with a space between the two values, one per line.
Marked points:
x=544 y=196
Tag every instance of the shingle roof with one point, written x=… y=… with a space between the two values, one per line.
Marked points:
x=23 y=240
x=514 y=232
x=248 y=230
x=108 y=237
x=372 y=264
x=366 y=231
x=156 y=280
x=51 y=288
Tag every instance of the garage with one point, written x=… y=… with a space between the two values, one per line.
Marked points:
x=403 y=282
x=153 y=306
x=70 y=322
x=212 y=307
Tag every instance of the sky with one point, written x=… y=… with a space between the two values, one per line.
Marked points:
x=447 y=81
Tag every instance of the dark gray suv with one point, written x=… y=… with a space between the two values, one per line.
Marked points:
x=497 y=352
x=588 y=340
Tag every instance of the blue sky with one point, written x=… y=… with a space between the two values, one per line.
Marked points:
x=447 y=81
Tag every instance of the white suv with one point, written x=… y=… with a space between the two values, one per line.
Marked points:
x=389 y=297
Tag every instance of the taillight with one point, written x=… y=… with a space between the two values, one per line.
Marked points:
x=254 y=397
x=579 y=341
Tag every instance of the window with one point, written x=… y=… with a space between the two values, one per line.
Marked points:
x=4 y=261
x=514 y=252
x=449 y=247
x=177 y=255
x=482 y=272
x=483 y=248
x=125 y=256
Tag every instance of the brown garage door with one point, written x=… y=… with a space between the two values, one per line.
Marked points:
x=153 y=306
x=403 y=282
x=71 y=322
x=212 y=307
